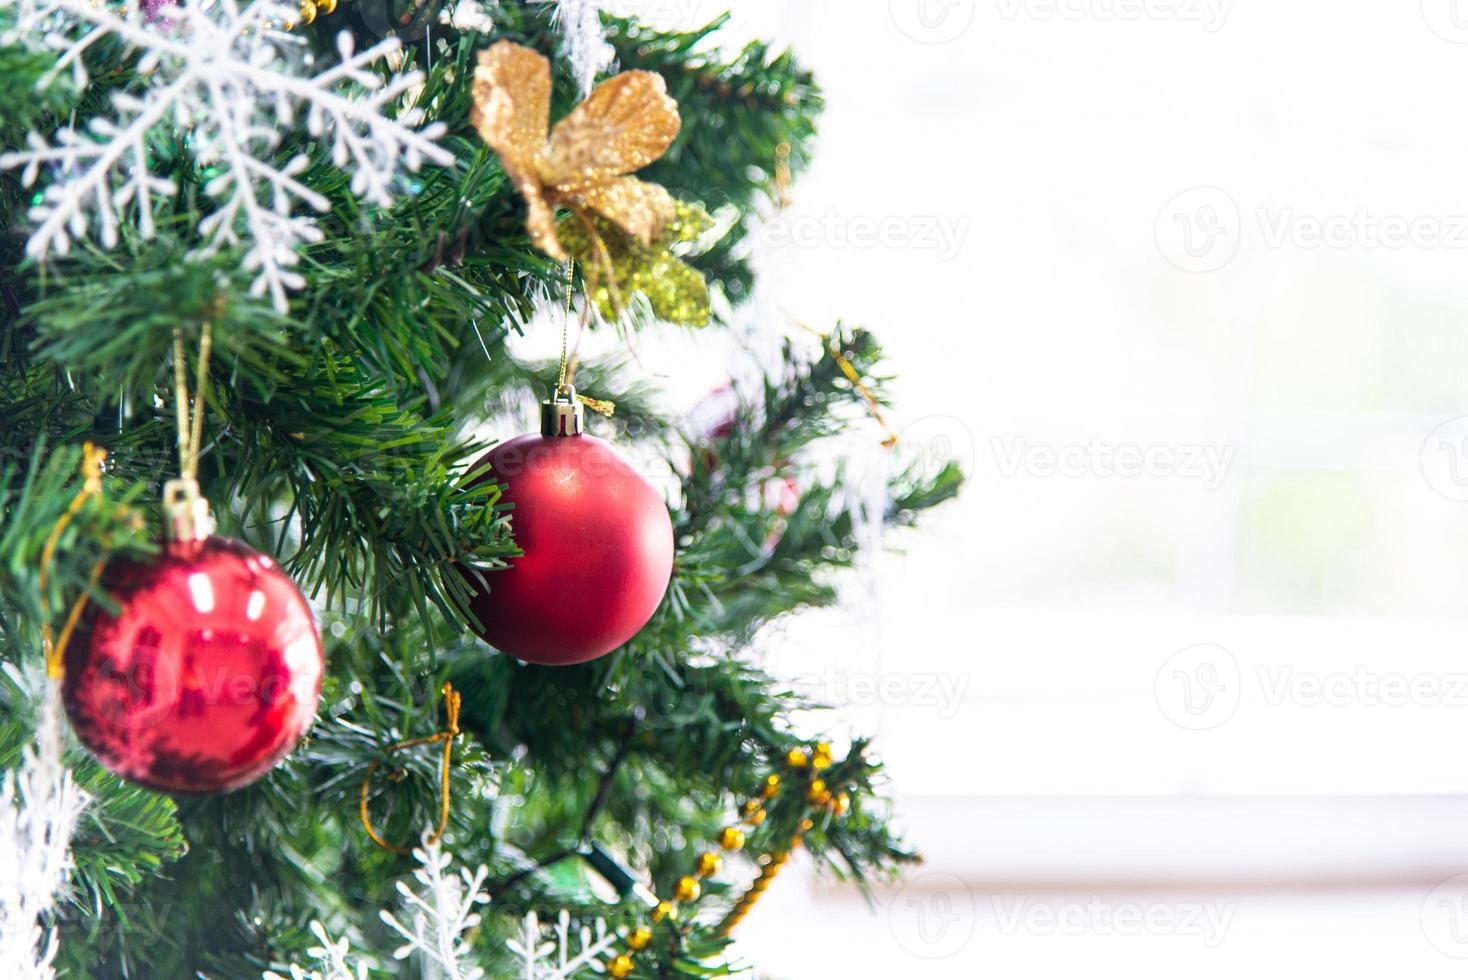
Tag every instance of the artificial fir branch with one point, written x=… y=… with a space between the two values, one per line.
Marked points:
x=340 y=432
x=8 y=294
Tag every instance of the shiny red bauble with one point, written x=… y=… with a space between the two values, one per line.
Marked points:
x=598 y=551
x=208 y=673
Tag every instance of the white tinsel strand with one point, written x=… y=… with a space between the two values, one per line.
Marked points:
x=40 y=805
x=868 y=498
x=441 y=912
x=467 y=15
x=226 y=73
x=585 y=40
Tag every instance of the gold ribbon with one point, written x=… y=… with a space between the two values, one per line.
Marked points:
x=92 y=460
x=582 y=164
x=451 y=703
x=874 y=408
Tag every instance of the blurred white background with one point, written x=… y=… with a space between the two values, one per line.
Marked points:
x=1178 y=688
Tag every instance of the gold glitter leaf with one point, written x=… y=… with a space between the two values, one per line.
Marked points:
x=619 y=266
x=626 y=123
x=512 y=112
x=641 y=209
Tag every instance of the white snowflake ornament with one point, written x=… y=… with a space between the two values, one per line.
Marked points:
x=440 y=912
x=542 y=958
x=228 y=75
x=332 y=961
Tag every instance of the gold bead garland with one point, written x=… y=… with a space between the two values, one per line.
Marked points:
x=709 y=864
x=761 y=883
x=752 y=814
x=688 y=889
x=310 y=10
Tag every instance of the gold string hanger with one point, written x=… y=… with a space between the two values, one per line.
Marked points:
x=187 y=511
x=451 y=703
x=189 y=514
x=570 y=358
x=190 y=429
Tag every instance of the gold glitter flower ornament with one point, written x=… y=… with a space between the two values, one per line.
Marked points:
x=626 y=123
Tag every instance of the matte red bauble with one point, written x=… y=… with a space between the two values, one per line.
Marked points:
x=597 y=543
x=206 y=676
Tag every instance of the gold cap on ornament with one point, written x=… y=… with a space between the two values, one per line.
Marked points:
x=561 y=414
x=186 y=512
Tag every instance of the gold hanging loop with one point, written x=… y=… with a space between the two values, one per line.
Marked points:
x=451 y=701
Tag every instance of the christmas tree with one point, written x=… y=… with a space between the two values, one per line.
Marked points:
x=270 y=262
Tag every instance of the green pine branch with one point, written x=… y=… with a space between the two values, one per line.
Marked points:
x=339 y=438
